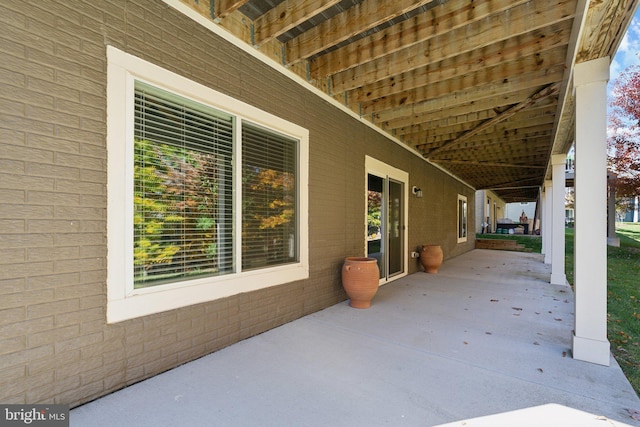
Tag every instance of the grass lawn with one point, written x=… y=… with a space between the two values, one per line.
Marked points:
x=623 y=302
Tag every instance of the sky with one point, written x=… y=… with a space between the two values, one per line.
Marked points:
x=628 y=54
x=628 y=51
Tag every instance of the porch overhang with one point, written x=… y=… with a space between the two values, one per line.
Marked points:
x=482 y=89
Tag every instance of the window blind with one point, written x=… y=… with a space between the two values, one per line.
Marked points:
x=183 y=188
x=269 y=205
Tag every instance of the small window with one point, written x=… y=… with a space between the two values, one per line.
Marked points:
x=462 y=218
x=206 y=194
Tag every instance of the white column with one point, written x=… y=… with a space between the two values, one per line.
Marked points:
x=590 y=333
x=557 y=218
x=547 y=221
x=543 y=202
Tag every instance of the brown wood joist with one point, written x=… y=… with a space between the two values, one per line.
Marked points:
x=480 y=87
x=455 y=43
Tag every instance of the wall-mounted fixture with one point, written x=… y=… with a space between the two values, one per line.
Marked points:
x=417 y=192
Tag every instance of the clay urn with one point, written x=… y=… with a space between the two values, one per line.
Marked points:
x=431 y=258
x=360 y=278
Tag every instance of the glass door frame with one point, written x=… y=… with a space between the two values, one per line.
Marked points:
x=387 y=172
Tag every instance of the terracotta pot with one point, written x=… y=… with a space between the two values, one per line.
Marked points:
x=431 y=258
x=360 y=277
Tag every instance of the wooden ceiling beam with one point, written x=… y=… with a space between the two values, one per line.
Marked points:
x=516 y=153
x=550 y=90
x=519 y=183
x=508 y=133
x=605 y=25
x=460 y=124
x=286 y=16
x=462 y=91
x=535 y=135
x=502 y=133
x=509 y=181
x=489 y=176
x=523 y=188
x=490 y=164
x=476 y=35
x=533 y=181
x=451 y=15
x=452 y=122
x=538 y=139
x=355 y=20
x=513 y=56
x=405 y=115
x=444 y=76
x=536 y=161
x=222 y=8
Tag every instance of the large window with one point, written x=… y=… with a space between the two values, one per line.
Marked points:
x=206 y=195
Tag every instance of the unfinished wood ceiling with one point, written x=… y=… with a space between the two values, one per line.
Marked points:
x=480 y=88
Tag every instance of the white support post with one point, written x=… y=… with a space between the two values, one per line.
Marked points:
x=558 y=276
x=590 y=334
x=542 y=203
x=547 y=221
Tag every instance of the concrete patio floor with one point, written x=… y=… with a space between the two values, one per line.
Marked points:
x=488 y=334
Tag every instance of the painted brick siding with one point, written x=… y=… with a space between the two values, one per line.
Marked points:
x=55 y=345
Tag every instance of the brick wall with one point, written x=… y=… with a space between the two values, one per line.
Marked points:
x=55 y=345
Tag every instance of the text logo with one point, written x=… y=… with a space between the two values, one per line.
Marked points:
x=34 y=415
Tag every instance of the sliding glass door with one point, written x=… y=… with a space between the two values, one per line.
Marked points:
x=386 y=218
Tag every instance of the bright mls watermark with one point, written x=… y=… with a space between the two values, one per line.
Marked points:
x=34 y=415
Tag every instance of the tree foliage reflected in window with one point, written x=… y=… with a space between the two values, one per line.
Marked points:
x=269 y=223
x=184 y=194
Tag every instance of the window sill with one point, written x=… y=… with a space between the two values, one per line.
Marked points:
x=149 y=301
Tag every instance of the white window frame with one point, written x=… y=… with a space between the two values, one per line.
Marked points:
x=123 y=301
x=462 y=239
